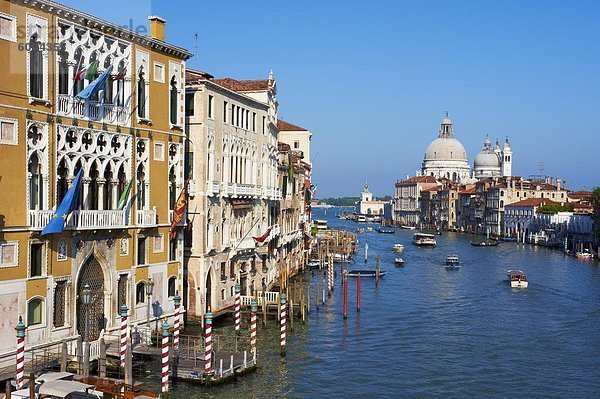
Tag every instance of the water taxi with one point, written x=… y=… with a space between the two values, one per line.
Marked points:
x=584 y=255
x=406 y=227
x=517 y=279
x=381 y=230
x=314 y=264
x=452 y=262
x=485 y=243
x=398 y=248
x=424 y=240
x=399 y=261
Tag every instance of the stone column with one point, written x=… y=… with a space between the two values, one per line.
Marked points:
x=101 y=182
x=86 y=190
x=114 y=193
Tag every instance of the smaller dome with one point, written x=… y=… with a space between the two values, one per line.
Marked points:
x=486 y=160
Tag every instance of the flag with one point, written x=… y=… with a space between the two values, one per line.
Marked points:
x=124 y=195
x=68 y=205
x=178 y=211
x=262 y=238
x=119 y=76
x=96 y=85
x=89 y=71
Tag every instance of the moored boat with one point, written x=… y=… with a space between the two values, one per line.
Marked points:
x=452 y=262
x=315 y=264
x=485 y=243
x=584 y=255
x=398 y=248
x=399 y=261
x=382 y=230
x=517 y=279
x=366 y=273
x=424 y=240
x=407 y=227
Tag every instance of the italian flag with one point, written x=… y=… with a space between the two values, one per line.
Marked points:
x=88 y=72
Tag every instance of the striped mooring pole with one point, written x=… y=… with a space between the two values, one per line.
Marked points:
x=237 y=310
x=177 y=317
x=283 y=323
x=253 y=309
x=20 y=352
x=123 y=341
x=345 y=289
x=208 y=344
x=331 y=274
x=165 y=357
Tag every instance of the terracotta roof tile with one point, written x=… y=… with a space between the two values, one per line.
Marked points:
x=286 y=126
x=243 y=85
x=533 y=202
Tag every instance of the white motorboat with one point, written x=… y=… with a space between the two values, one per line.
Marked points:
x=398 y=248
x=517 y=279
x=452 y=262
x=399 y=261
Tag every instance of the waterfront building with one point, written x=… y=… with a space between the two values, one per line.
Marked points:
x=406 y=199
x=519 y=216
x=467 y=197
x=368 y=205
x=428 y=213
x=493 y=162
x=447 y=203
x=127 y=141
x=298 y=138
x=446 y=156
x=234 y=189
x=554 y=229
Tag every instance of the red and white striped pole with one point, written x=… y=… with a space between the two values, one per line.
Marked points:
x=123 y=341
x=237 y=310
x=345 y=289
x=177 y=317
x=283 y=322
x=165 y=357
x=331 y=274
x=253 y=309
x=20 y=352
x=208 y=344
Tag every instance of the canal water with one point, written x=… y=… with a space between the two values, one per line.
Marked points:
x=430 y=333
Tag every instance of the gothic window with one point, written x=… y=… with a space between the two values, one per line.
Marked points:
x=60 y=297
x=78 y=84
x=34 y=311
x=141 y=94
x=120 y=98
x=172 y=188
x=141 y=184
x=36 y=191
x=93 y=57
x=173 y=96
x=173 y=248
x=93 y=188
x=36 y=68
x=107 y=189
x=63 y=71
x=62 y=184
x=122 y=182
x=108 y=87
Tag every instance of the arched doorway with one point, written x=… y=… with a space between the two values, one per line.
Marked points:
x=208 y=292
x=91 y=273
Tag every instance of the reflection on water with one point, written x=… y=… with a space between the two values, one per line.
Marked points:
x=428 y=332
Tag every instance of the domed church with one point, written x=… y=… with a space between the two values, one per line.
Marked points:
x=493 y=162
x=446 y=156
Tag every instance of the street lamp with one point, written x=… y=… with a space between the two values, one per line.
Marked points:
x=149 y=289
x=86 y=300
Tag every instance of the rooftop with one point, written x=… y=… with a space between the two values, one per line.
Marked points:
x=286 y=126
x=243 y=85
x=533 y=202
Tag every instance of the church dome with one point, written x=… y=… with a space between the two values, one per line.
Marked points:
x=445 y=148
x=486 y=159
x=487 y=163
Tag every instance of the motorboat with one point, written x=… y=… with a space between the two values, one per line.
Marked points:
x=452 y=262
x=381 y=230
x=509 y=239
x=407 y=227
x=360 y=230
x=485 y=243
x=399 y=261
x=341 y=258
x=584 y=255
x=366 y=273
x=517 y=279
x=369 y=228
x=314 y=264
x=398 y=248
x=424 y=240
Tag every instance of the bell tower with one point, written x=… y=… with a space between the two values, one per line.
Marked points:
x=506 y=159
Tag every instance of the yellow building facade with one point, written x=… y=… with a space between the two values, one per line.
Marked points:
x=131 y=133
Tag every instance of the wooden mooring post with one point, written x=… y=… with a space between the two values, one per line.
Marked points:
x=377 y=271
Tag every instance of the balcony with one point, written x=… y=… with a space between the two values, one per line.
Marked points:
x=146 y=218
x=212 y=188
x=92 y=110
x=81 y=220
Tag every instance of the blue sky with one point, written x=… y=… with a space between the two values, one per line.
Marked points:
x=372 y=80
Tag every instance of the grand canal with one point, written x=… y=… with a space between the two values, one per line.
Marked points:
x=429 y=333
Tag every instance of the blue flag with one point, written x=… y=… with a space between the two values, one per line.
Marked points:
x=97 y=85
x=68 y=205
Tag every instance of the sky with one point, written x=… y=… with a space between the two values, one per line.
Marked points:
x=372 y=80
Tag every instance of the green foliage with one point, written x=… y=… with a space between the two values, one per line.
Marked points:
x=555 y=208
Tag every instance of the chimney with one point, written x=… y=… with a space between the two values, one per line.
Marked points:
x=558 y=184
x=157 y=27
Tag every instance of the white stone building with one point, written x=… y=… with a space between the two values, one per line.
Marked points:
x=232 y=157
x=493 y=162
x=368 y=205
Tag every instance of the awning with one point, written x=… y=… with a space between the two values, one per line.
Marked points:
x=62 y=389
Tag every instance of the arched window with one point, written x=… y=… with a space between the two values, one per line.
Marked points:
x=121 y=85
x=172 y=285
x=140 y=292
x=36 y=191
x=108 y=87
x=93 y=188
x=36 y=68
x=35 y=312
x=62 y=184
x=107 y=189
x=93 y=57
x=78 y=84
x=141 y=184
x=63 y=71
x=141 y=94
x=172 y=188
x=173 y=95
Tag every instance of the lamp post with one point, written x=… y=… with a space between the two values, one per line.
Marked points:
x=149 y=289
x=86 y=300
